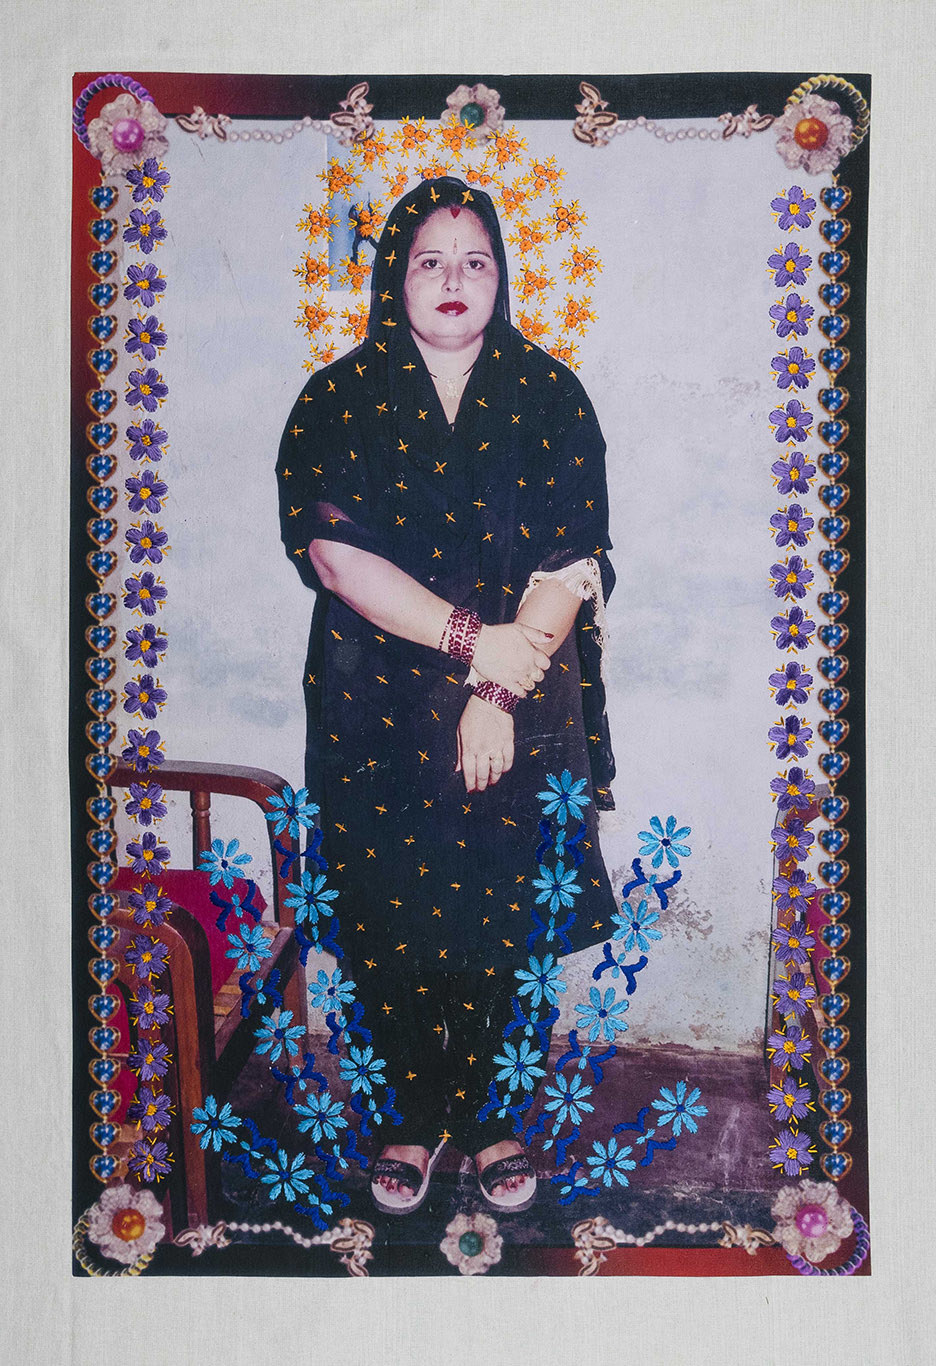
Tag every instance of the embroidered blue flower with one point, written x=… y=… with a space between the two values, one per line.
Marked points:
x=292 y=812
x=559 y=888
x=518 y=1066
x=215 y=1126
x=287 y=1178
x=609 y=1163
x=223 y=864
x=564 y=797
x=363 y=1070
x=678 y=1108
x=602 y=1018
x=660 y=841
x=249 y=946
x=634 y=927
x=568 y=1099
x=331 y=993
x=322 y=1116
x=309 y=900
x=275 y=1035
x=542 y=982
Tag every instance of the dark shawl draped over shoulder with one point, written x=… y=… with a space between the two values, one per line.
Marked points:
x=516 y=485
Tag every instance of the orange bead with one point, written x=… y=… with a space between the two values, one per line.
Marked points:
x=128 y=1224
x=810 y=134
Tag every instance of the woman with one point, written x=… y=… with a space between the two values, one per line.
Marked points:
x=442 y=488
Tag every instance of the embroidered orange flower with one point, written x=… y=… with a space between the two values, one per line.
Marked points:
x=583 y=265
x=313 y=271
x=508 y=146
x=317 y=223
x=512 y=197
x=546 y=175
x=373 y=151
x=568 y=217
x=478 y=176
x=532 y=282
x=396 y=183
x=453 y=136
x=433 y=169
x=315 y=317
x=576 y=314
x=353 y=273
x=532 y=326
x=354 y=324
x=367 y=218
x=411 y=134
x=338 y=179
x=566 y=351
x=529 y=237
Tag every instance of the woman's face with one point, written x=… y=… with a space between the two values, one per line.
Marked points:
x=451 y=280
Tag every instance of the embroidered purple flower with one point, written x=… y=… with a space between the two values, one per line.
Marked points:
x=791 y=1099
x=790 y=1046
x=146 y=644
x=145 y=592
x=793 y=1152
x=149 y=1160
x=148 y=904
x=791 y=684
x=146 y=804
x=146 y=387
x=147 y=855
x=144 y=696
x=792 y=840
x=791 y=737
x=793 y=473
x=142 y=750
x=146 y=336
x=794 y=210
x=792 y=579
x=151 y=1110
x=794 y=995
x=793 y=944
x=793 y=367
x=794 y=790
x=793 y=630
x=146 y=440
x=791 y=524
x=149 y=1060
x=792 y=314
x=146 y=230
x=793 y=891
x=144 y=283
x=790 y=266
x=149 y=181
x=147 y=542
x=791 y=422
x=149 y=1007
x=145 y=495
x=148 y=956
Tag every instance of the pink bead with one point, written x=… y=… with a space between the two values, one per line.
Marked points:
x=128 y=135
x=812 y=1220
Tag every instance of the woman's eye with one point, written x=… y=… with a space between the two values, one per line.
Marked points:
x=430 y=262
x=477 y=265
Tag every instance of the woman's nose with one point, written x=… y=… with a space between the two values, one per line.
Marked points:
x=452 y=276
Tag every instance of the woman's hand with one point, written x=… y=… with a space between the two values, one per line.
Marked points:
x=485 y=744
x=512 y=655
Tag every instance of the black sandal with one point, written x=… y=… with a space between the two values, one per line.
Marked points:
x=392 y=1202
x=495 y=1173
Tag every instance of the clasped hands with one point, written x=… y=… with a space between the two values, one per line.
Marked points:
x=514 y=656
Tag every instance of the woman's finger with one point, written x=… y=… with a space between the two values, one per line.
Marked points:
x=533 y=634
x=508 y=755
x=469 y=769
x=483 y=772
x=497 y=768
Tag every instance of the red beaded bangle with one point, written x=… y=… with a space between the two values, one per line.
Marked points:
x=461 y=634
x=493 y=692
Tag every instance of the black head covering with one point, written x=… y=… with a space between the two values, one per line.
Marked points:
x=388 y=310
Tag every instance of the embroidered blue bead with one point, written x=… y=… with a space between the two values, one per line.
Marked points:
x=833 y=326
x=835 y=197
x=103 y=293
x=834 y=764
x=834 y=263
x=834 y=528
x=102 y=401
x=834 y=294
x=834 y=904
x=833 y=604
x=835 y=230
x=834 y=562
x=103 y=230
x=833 y=667
x=102 y=327
x=834 y=399
x=833 y=872
x=833 y=700
x=102 y=262
x=833 y=808
x=833 y=433
x=104 y=197
x=102 y=562
x=833 y=841
x=833 y=1037
x=835 y=969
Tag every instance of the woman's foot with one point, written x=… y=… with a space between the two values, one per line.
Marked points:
x=409 y=1153
x=401 y=1175
x=516 y=1188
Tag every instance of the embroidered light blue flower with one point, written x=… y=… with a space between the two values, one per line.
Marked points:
x=215 y=1126
x=634 y=926
x=287 y=1178
x=559 y=888
x=274 y=1035
x=568 y=1099
x=363 y=1070
x=249 y=946
x=292 y=812
x=331 y=993
x=309 y=899
x=660 y=841
x=602 y=1018
x=518 y=1065
x=223 y=864
x=564 y=797
x=542 y=982
x=679 y=1108
x=322 y=1116
x=609 y=1163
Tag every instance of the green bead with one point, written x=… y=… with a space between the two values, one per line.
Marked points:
x=470 y=1243
x=472 y=115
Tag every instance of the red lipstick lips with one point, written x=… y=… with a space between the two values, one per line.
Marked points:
x=454 y=306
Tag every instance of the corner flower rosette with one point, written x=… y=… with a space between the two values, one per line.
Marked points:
x=472 y=1243
x=813 y=135
x=812 y=1220
x=126 y=132
x=126 y=1224
x=477 y=107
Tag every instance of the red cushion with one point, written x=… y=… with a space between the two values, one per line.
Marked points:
x=192 y=889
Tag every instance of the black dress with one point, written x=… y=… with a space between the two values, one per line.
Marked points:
x=431 y=878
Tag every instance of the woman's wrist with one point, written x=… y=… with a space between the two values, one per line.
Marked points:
x=460 y=635
x=499 y=697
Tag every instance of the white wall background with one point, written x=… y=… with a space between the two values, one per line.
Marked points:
x=678 y=367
